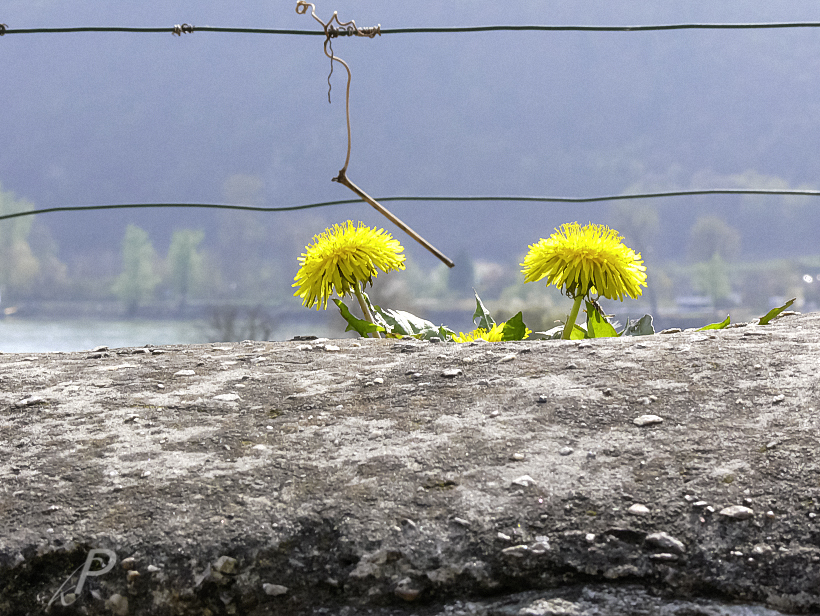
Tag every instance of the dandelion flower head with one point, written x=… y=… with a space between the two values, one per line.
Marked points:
x=496 y=334
x=342 y=257
x=583 y=260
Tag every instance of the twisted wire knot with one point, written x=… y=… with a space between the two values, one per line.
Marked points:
x=179 y=29
x=350 y=29
x=3 y=29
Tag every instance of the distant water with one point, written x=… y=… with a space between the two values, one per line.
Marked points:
x=42 y=336
x=35 y=336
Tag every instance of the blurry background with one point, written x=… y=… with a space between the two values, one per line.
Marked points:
x=98 y=118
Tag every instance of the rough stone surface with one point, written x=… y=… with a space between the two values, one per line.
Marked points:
x=287 y=465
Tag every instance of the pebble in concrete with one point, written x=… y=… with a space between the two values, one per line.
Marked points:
x=541 y=545
x=666 y=542
x=274 y=590
x=524 y=481
x=451 y=373
x=405 y=590
x=515 y=551
x=663 y=556
x=550 y=607
x=647 y=420
x=638 y=509
x=227 y=397
x=737 y=512
x=225 y=564
x=117 y=604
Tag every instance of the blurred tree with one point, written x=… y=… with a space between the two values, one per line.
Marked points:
x=712 y=236
x=185 y=263
x=225 y=325
x=244 y=245
x=52 y=281
x=18 y=265
x=138 y=279
x=639 y=223
x=711 y=278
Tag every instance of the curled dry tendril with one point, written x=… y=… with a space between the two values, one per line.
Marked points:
x=349 y=28
x=301 y=9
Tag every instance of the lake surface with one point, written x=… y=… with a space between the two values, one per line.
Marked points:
x=41 y=336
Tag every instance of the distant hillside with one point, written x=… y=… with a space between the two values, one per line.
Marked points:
x=119 y=118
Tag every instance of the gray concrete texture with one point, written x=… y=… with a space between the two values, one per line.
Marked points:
x=667 y=474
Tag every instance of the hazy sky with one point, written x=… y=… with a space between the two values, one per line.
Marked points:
x=122 y=118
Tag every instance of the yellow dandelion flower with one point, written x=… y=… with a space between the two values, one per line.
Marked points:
x=343 y=257
x=583 y=260
x=470 y=336
x=495 y=334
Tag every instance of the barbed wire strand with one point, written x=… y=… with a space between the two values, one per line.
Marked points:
x=348 y=29
x=291 y=208
x=428 y=30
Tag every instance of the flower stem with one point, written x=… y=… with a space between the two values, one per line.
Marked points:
x=570 y=324
x=365 y=310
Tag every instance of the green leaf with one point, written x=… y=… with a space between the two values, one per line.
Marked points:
x=394 y=321
x=514 y=328
x=775 y=312
x=641 y=327
x=579 y=332
x=720 y=325
x=390 y=328
x=553 y=333
x=481 y=316
x=401 y=323
x=360 y=326
x=445 y=333
x=597 y=325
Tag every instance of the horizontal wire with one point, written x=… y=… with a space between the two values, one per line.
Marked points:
x=214 y=206
x=155 y=30
x=433 y=30
x=571 y=28
x=653 y=195
x=291 y=208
